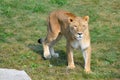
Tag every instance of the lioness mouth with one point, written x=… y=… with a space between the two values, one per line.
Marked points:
x=79 y=37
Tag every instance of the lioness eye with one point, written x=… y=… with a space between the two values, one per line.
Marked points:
x=75 y=26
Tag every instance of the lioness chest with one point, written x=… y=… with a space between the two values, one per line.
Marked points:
x=80 y=44
x=75 y=44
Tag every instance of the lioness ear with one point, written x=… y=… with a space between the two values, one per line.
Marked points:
x=70 y=19
x=86 y=18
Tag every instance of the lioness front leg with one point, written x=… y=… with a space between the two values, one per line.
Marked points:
x=87 y=59
x=70 y=57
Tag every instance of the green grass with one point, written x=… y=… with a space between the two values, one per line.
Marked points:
x=23 y=22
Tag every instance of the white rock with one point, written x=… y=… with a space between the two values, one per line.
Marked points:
x=13 y=74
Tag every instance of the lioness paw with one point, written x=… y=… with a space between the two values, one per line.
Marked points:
x=47 y=56
x=71 y=67
x=55 y=55
x=88 y=71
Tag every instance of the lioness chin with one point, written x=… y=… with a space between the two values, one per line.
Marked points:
x=74 y=29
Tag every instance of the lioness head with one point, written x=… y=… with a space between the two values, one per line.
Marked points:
x=77 y=26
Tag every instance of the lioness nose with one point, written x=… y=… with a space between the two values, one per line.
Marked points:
x=79 y=33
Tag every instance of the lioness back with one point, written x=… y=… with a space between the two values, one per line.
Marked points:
x=58 y=21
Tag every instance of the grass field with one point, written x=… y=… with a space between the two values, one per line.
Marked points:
x=23 y=22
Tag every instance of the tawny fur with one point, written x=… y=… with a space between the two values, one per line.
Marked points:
x=74 y=29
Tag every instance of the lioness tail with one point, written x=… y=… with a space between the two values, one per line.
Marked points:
x=40 y=40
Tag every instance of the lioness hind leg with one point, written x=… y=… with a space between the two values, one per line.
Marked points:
x=48 y=43
x=46 y=53
x=52 y=44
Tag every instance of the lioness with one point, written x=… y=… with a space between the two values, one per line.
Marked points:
x=75 y=29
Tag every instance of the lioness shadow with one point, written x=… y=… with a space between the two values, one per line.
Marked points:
x=60 y=61
x=36 y=48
